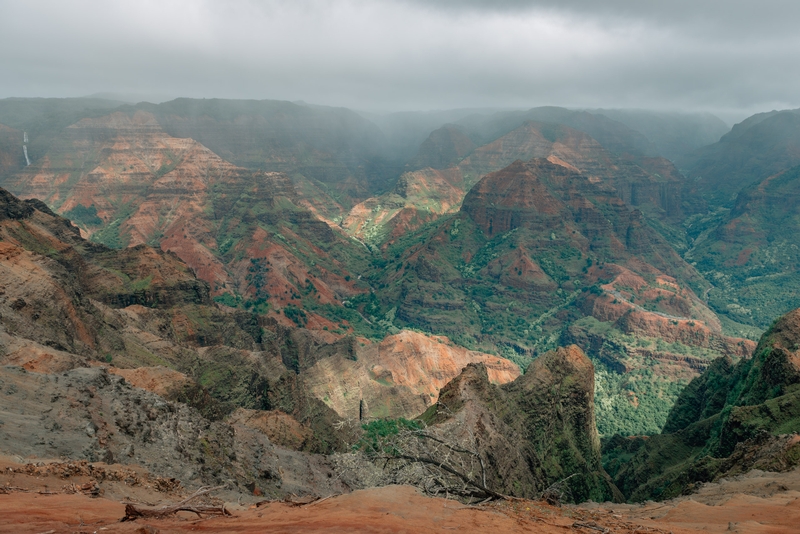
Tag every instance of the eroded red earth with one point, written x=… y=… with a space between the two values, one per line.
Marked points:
x=755 y=503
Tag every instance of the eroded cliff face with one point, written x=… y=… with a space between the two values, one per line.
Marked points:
x=549 y=196
x=731 y=419
x=125 y=182
x=532 y=432
x=90 y=414
x=653 y=184
x=67 y=303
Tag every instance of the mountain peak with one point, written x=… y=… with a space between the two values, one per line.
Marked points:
x=537 y=194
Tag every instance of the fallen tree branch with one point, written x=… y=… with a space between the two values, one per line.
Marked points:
x=554 y=494
x=294 y=500
x=447 y=468
x=322 y=499
x=591 y=525
x=134 y=511
x=6 y=489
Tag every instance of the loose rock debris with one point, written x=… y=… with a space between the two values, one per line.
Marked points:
x=96 y=473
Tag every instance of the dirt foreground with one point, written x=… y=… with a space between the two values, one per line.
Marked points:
x=33 y=502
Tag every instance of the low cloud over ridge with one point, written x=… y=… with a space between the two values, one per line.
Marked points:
x=725 y=57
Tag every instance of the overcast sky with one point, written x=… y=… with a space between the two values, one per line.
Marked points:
x=725 y=56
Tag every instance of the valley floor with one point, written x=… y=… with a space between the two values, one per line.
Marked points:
x=754 y=503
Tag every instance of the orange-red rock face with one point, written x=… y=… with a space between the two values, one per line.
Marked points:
x=427 y=363
x=399 y=377
x=149 y=187
x=548 y=197
x=160 y=380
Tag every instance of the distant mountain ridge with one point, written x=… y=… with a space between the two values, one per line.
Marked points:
x=421 y=196
x=330 y=145
x=756 y=148
x=673 y=135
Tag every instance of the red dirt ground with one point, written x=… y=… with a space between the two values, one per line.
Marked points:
x=767 y=503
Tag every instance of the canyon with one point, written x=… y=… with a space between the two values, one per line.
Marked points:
x=267 y=296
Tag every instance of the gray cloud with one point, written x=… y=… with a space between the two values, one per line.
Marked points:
x=724 y=56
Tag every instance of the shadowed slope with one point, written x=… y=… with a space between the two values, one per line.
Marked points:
x=728 y=421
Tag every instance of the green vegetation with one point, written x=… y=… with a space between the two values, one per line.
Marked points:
x=636 y=403
x=232 y=381
x=110 y=235
x=729 y=410
x=750 y=253
x=84 y=216
x=229 y=299
x=297 y=315
x=172 y=161
x=633 y=392
x=199 y=398
x=377 y=435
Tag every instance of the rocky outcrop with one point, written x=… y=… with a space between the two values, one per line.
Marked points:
x=774 y=369
x=532 y=432
x=89 y=414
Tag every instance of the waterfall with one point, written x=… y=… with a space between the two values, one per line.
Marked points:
x=25 y=148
